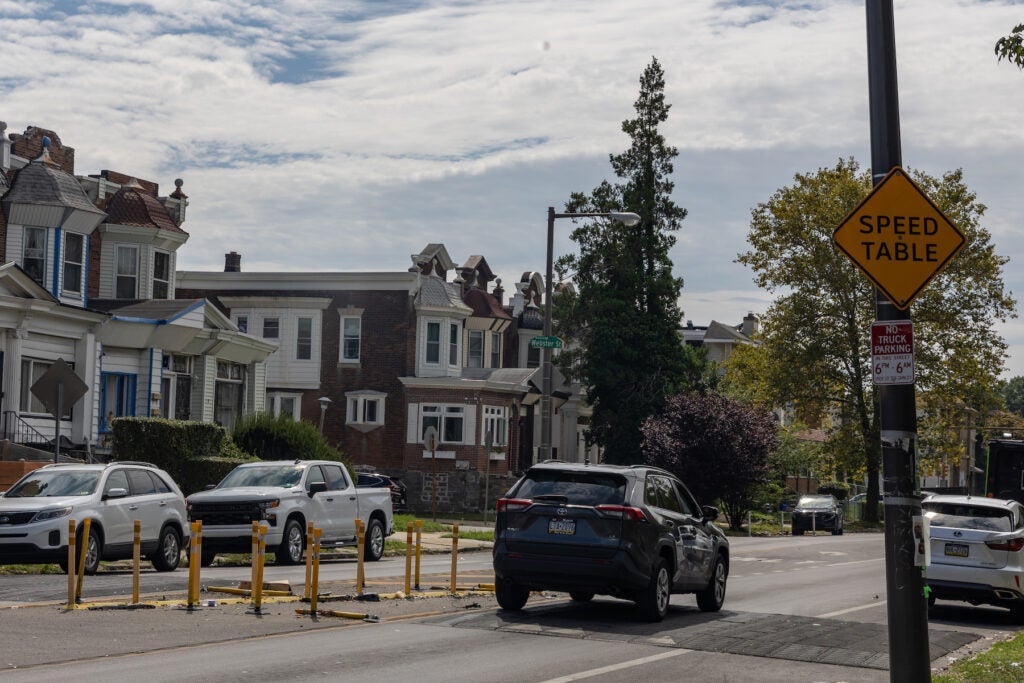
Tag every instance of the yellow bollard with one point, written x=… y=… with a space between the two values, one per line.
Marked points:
x=257 y=588
x=194 y=554
x=255 y=528
x=72 y=526
x=314 y=589
x=82 y=552
x=419 y=547
x=360 y=540
x=455 y=556
x=309 y=558
x=136 y=559
x=408 y=557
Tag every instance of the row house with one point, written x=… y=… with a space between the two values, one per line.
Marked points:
x=87 y=276
x=377 y=358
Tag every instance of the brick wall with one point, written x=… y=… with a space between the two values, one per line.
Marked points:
x=458 y=492
x=11 y=472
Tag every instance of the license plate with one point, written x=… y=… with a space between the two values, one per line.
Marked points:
x=957 y=549
x=562 y=526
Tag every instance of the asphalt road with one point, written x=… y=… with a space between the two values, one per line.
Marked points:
x=792 y=595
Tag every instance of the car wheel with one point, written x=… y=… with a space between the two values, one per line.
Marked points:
x=712 y=598
x=373 y=543
x=206 y=557
x=510 y=595
x=290 y=550
x=580 y=596
x=168 y=550
x=93 y=551
x=652 y=602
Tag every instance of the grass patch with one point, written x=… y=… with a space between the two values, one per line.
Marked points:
x=19 y=569
x=473 y=535
x=402 y=521
x=1003 y=663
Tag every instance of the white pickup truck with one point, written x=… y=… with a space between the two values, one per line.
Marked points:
x=286 y=495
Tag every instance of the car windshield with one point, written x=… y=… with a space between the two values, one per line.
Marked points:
x=815 y=503
x=284 y=477
x=961 y=516
x=574 y=488
x=53 y=483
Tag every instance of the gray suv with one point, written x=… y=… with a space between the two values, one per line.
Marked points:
x=633 y=532
x=34 y=514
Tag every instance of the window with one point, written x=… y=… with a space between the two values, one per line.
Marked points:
x=242 y=323
x=31 y=370
x=176 y=387
x=447 y=420
x=335 y=477
x=496 y=423
x=304 y=339
x=33 y=258
x=284 y=404
x=74 y=260
x=118 y=398
x=126 y=273
x=365 y=407
x=476 y=349
x=532 y=357
x=495 y=349
x=453 y=344
x=351 y=333
x=141 y=483
x=434 y=342
x=228 y=393
x=271 y=328
x=161 y=274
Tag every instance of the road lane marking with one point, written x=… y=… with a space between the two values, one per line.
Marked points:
x=850 y=609
x=618 y=667
x=843 y=564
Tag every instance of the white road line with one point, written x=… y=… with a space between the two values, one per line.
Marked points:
x=877 y=603
x=843 y=564
x=618 y=667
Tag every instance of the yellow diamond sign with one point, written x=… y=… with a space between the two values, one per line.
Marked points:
x=898 y=238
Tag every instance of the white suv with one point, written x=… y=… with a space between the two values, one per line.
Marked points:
x=34 y=514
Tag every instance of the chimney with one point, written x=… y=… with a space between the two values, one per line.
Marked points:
x=233 y=262
x=498 y=292
x=749 y=328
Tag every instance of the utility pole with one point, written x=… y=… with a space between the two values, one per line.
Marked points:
x=909 y=659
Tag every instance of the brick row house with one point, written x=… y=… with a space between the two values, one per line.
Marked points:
x=88 y=277
x=379 y=357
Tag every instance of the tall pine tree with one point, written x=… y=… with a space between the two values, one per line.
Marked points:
x=623 y=316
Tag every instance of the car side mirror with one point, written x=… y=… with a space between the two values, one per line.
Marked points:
x=317 y=487
x=710 y=513
x=116 y=492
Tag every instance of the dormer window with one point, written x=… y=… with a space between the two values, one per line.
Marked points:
x=33 y=258
x=74 y=261
x=126 y=276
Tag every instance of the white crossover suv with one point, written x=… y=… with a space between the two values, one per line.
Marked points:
x=34 y=514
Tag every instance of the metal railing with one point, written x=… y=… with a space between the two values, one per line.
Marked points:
x=17 y=430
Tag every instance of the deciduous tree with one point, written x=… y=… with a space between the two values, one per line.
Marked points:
x=1011 y=47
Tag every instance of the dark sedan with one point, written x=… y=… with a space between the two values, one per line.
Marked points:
x=818 y=513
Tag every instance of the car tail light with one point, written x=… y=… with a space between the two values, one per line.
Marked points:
x=513 y=504
x=622 y=512
x=1013 y=544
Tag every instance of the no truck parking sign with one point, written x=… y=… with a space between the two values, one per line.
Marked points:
x=892 y=352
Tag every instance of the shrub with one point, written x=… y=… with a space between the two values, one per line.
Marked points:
x=165 y=443
x=837 y=488
x=282 y=438
x=205 y=471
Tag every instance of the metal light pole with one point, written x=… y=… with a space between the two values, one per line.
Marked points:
x=626 y=218
x=324 y=402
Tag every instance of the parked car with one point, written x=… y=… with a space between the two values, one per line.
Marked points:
x=34 y=514
x=399 y=491
x=287 y=495
x=818 y=513
x=977 y=551
x=632 y=532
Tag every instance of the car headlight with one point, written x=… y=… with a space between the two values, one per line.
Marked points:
x=56 y=513
x=269 y=505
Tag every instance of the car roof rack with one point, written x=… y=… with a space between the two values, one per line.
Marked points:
x=133 y=462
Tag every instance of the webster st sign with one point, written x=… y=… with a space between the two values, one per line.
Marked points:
x=898 y=238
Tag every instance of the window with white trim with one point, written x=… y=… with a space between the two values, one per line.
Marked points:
x=449 y=421
x=475 y=357
x=161 y=274
x=304 y=339
x=532 y=357
x=279 y=403
x=271 y=328
x=126 y=272
x=31 y=370
x=33 y=256
x=496 y=422
x=351 y=334
x=495 y=349
x=453 y=344
x=433 y=349
x=365 y=408
x=242 y=323
x=228 y=394
x=74 y=262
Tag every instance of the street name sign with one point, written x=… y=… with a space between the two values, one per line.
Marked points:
x=892 y=352
x=898 y=238
x=545 y=343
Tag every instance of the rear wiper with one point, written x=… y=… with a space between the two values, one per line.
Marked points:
x=553 y=497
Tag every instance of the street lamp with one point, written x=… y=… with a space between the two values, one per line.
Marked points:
x=324 y=402
x=626 y=218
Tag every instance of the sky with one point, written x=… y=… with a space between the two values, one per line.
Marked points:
x=347 y=134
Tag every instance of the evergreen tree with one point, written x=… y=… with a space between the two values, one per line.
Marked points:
x=623 y=316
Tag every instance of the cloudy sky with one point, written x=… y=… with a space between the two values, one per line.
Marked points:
x=347 y=134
